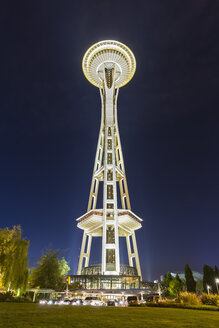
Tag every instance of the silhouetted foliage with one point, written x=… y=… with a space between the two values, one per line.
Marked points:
x=216 y=272
x=13 y=259
x=75 y=285
x=190 y=282
x=165 y=284
x=209 y=279
x=50 y=272
x=175 y=286
x=199 y=286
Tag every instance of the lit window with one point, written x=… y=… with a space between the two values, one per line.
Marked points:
x=109 y=158
x=110 y=235
x=110 y=216
x=110 y=256
x=109 y=175
x=109 y=143
x=110 y=192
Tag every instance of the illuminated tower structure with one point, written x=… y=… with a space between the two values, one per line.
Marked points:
x=109 y=65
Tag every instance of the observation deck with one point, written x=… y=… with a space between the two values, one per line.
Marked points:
x=105 y=53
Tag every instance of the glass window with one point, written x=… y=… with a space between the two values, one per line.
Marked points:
x=110 y=256
x=110 y=235
x=109 y=158
x=110 y=216
x=110 y=192
x=109 y=175
x=109 y=142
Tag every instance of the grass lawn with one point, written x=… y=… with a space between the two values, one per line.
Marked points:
x=15 y=315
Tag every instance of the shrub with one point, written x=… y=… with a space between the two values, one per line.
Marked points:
x=210 y=299
x=134 y=303
x=6 y=297
x=189 y=298
x=9 y=297
x=171 y=301
x=182 y=306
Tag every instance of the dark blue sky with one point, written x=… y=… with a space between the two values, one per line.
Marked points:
x=168 y=118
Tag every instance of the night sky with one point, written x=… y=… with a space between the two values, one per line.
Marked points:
x=168 y=119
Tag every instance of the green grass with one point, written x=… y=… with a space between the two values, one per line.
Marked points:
x=66 y=316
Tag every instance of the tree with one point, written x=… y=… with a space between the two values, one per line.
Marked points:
x=64 y=268
x=216 y=276
x=168 y=278
x=50 y=272
x=75 y=285
x=199 y=286
x=209 y=279
x=190 y=282
x=175 y=286
x=216 y=272
x=165 y=284
x=13 y=259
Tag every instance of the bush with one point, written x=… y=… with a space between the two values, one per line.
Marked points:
x=9 y=297
x=171 y=301
x=6 y=297
x=182 y=306
x=210 y=299
x=189 y=298
x=133 y=303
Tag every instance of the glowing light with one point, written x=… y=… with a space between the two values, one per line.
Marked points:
x=109 y=49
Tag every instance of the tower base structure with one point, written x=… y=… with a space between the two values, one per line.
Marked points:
x=91 y=278
x=110 y=287
x=100 y=282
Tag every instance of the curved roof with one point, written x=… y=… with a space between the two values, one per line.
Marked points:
x=109 y=51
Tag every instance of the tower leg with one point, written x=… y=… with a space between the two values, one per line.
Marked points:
x=82 y=253
x=129 y=250
x=88 y=250
x=136 y=254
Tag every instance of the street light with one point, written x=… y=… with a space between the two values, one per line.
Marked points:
x=208 y=287
x=217 y=282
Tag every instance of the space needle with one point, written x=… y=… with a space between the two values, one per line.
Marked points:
x=109 y=65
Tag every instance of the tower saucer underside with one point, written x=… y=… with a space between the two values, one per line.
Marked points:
x=92 y=221
x=109 y=52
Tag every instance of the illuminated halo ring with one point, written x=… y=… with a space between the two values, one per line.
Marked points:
x=105 y=52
